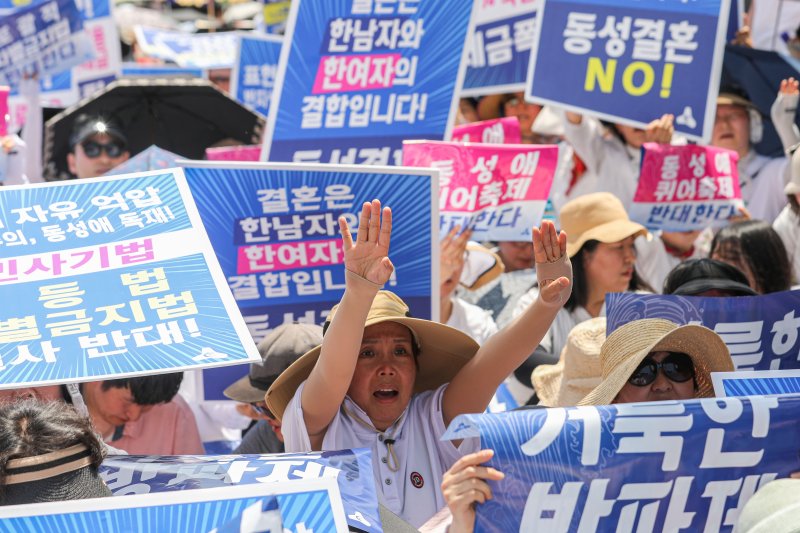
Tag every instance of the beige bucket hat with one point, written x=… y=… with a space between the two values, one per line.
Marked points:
x=598 y=216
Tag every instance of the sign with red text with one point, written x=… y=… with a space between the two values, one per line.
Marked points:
x=496 y=131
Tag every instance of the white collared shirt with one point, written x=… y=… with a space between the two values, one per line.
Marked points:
x=413 y=491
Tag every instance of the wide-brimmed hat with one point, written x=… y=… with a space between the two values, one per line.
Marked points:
x=578 y=370
x=598 y=216
x=443 y=351
x=65 y=474
x=729 y=98
x=481 y=266
x=627 y=347
x=793 y=169
x=279 y=349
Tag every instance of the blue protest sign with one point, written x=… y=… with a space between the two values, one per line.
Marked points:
x=760 y=331
x=253 y=76
x=275 y=232
x=94 y=9
x=357 y=77
x=111 y=277
x=735 y=19
x=749 y=383
x=192 y=50
x=499 y=49
x=295 y=506
x=351 y=470
x=136 y=70
x=630 y=61
x=44 y=38
x=658 y=466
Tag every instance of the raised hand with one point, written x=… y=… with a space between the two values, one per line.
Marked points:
x=660 y=130
x=464 y=486
x=451 y=256
x=552 y=264
x=789 y=87
x=368 y=257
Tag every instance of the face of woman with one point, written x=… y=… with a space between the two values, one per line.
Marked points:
x=609 y=268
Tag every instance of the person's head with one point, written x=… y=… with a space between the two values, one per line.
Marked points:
x=467 y=111
x=757 y=250
x=514 y=105
x=48 y=452
x=45 y=393
x=707 y=277
x=516 y=255
x=96 y=146
x=600 y=239
x=117 y=401
x=279 y=349
x=630 y=135
x=653 y=359
x=737 y=124
x=398 y=357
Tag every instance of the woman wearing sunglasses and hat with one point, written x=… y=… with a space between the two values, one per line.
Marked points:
x=385 y=381
x=654 y=359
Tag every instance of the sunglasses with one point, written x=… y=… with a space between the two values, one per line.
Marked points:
x=93 y=149
x=261 y=409
x=677 y=367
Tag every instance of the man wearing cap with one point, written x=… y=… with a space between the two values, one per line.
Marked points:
x=279 y=349
x=738 y=126
x=96 y=146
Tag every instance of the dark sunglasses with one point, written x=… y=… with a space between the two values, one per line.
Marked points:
x=677 y=367
x=262 y=410
x=93 y=149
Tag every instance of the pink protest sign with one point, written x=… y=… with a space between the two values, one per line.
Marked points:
x=500 y=191
x=234 y=153
x=497 y=131
x=4 y=116
x=684 y=188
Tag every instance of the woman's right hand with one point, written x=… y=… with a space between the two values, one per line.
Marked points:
x=464 y=486
x=368 y=256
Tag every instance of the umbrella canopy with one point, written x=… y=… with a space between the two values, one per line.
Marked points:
x=758 y=73
x=184 y=116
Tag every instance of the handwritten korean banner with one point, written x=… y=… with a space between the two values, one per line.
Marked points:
x=659 y=466
x=499 y=191
x=497 y=131
x=760 y=331
x=275 y=232
x=350 y=469
x=253 y=76
x=683 y=188
x=374 y=74
x=109 y=278
x=499 y=48
x=629 y=61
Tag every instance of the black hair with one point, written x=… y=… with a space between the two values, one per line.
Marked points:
x=705 y=268
x=148 y=390
x=34 y=427
x=756 y=244
x=580 y=285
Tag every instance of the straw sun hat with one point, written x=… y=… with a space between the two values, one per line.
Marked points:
x=577 y=372
x=598 y=216
x=443 y=351
x=626 y=348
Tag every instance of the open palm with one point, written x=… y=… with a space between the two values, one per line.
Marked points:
x=368 y=256
x=549 y=249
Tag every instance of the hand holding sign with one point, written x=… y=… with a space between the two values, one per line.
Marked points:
x=464 y=485
x=552 y=264
x=368 y=257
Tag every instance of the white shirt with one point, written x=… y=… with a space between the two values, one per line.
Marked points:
x=761 y=181
x=770 y=19
x=787 y=225
x=472 y=320
x=413 y=491
x=500 y=296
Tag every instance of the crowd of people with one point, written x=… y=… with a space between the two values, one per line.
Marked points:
x=526 y=315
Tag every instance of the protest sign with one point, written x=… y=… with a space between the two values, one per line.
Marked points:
x=254 y=70
x=497 y=131
x=151 y=158
x=760 y=331
x=45 y=38
x=54 y=91
x=275 y=232
x=4 y=115
x=274 y=15
x=657 y=466
x=498 y=49
x=631 y=62
x=373 y=74
x=749 y=383
x=295 y=507
x=135 y=70
x=234 y=153
x=191 y=50
x=498 y=191
x=99 y=25
x=111 y=277
x=735 y=19
x=685 y=188
x=351 y=469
